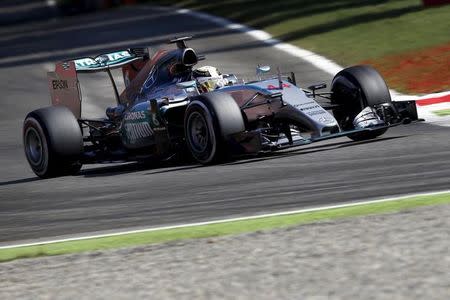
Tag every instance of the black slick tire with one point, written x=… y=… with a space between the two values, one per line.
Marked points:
x=53 y=141
x=355 y=88
x=209 y=120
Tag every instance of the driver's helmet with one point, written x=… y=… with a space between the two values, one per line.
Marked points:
x=208 y=78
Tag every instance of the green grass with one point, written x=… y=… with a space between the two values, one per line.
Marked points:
x=220 y=229
x=347 y=31
x=442 y=113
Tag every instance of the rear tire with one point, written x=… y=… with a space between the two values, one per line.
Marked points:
x=209 y=119
x=53 y=141
x=354 y=89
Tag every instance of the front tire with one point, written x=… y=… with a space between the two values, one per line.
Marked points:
x=52 y=141
x=354 y=89
x=209 y=120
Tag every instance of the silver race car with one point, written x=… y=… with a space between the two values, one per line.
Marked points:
x=169 y=107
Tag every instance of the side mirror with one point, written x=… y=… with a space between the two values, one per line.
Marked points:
x=232 y=79
x=261 y=70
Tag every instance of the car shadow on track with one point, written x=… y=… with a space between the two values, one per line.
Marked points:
x=19 y=181
x=114 y=170
x=312 y=149
x=157 y=168
x=176 y=166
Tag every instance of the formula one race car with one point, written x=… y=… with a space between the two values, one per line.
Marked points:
x=168 y=106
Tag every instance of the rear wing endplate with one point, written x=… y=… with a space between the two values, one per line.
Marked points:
x=63 y=82
x=65 y=88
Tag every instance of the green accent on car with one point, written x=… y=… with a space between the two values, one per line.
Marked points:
x=220 y=229
x=137 y=127
x=103 y=61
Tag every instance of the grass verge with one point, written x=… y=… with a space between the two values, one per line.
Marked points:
x=219 y=229
x=442 y=113
x=346 y=31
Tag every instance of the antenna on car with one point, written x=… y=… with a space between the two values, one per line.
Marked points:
x=181 y=44
x=280 y=82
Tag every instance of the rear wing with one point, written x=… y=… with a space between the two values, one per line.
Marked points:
x=63 y=82
x=111 y=60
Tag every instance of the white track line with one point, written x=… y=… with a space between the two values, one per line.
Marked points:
x=284 y=213
x=25 y=7
x=318 y=61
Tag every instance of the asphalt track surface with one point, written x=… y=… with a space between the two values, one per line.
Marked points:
x=407 y=159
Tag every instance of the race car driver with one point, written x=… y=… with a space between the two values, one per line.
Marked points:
x=208 y=79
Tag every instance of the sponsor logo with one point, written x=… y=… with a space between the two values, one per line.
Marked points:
x=150 y=81
x=136 y=115
x=272 y=87
x=139 y=125
x=66 y=66
x=103 y=60
x=85 y=62
x=135 y=131
x=305 y=103
x=317 y=112
x=60 y=84
x=324 y=119
x=312 y=107
x=155 y=120
x=117 y=55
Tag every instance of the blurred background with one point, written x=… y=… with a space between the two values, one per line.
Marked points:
x=408 y=41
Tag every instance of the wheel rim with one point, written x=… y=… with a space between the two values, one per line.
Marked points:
x=33 y=146
x=198 y=132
